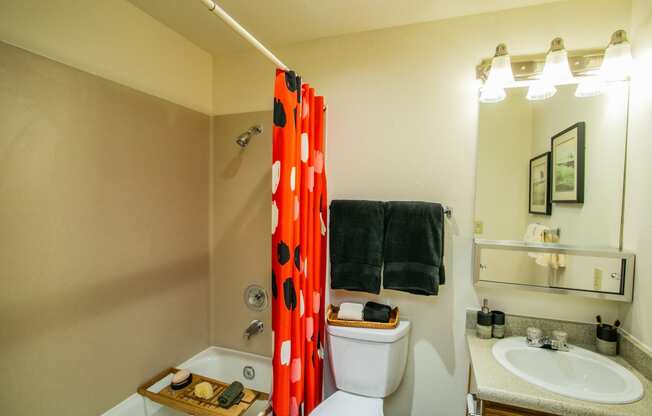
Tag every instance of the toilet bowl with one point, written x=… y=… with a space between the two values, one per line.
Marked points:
x=368 y=365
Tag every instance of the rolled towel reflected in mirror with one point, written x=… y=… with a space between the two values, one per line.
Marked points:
x=350 y=311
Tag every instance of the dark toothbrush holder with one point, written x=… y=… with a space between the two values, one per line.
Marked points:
x=607 y=339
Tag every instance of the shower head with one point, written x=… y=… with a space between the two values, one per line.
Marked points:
x=243 y=139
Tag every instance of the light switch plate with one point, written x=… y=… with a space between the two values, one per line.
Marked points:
x=597 y=279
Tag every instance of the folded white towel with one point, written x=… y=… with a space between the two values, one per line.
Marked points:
x=350 y=311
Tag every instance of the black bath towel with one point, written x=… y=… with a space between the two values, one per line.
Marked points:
x=414 y=247
x=356 y=245
x=376 y=312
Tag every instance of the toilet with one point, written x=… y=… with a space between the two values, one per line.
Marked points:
x=368 y=365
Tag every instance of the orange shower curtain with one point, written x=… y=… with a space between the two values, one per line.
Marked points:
x=299 y=206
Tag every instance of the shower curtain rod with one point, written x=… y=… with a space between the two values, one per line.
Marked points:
x=213 y=7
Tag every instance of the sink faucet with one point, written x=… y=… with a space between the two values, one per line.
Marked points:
x=255 y=327
x=536 y=339
x=547 y=343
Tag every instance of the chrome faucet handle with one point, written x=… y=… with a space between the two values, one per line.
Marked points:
x=536 y=342
x=558 y=345
x=534 y=337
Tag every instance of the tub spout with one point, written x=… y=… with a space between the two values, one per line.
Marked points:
x=255 y=327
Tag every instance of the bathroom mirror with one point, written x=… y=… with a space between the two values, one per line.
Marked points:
x=551 y=174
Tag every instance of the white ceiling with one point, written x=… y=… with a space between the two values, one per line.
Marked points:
x=279 y=22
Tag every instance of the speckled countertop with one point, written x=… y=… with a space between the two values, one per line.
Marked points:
x=495 y=383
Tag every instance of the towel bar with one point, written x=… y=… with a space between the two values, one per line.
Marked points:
x=448 y=211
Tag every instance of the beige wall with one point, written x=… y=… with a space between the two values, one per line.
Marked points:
x=638 y=219
x=402 y=124
x=115 y=40
x=103 y=237
x=240 y=230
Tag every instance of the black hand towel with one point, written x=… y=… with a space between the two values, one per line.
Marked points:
x=414 y=247
x=356 y=245
x=376 y=312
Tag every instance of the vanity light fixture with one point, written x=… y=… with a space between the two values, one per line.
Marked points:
x=590 y=87
x=500 y=76
x=616 y=66
x=617 y=63
x=501 y=67
x=491 y=93
x=540 y=90
x=555 y=71
x=591 y=69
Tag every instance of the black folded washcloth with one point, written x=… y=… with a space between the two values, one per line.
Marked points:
x=356 y=245
x=414 y=247
x=376 y=312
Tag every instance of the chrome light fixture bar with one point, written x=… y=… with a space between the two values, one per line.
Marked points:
x=591 y=69
x=528 y=68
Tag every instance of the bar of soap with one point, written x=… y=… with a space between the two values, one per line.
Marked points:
x=204 y=390
x=180 y=376
x=181 y=379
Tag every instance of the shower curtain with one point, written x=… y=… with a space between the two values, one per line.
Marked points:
x=299 y=217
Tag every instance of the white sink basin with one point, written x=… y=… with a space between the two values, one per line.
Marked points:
x=578 y=373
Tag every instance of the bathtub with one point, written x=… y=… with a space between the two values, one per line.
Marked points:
x=218 y=363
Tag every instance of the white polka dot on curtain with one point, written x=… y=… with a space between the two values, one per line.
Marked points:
x=310 y=328
x=293 y=178
x=305 y=110
x=304 y=147
x=276 y=175
x=311 y=178
x=274 y=216
x=286 y=349
x=316 y=302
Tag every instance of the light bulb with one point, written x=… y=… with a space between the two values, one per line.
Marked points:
x=589 y=87
x=500 y=73
x=540 y=90
x=617 y=63
x=492 y=93
x=500 y=76
x=556 y=69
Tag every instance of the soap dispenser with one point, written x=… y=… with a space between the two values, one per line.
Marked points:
x=485 y=321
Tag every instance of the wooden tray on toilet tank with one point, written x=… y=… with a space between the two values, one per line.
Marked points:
x=158 y=390
x=331 y=318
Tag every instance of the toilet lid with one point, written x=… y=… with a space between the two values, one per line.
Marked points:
x=347 y=404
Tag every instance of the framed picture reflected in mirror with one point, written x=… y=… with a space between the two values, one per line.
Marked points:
x=568 y=164
x=539 y=199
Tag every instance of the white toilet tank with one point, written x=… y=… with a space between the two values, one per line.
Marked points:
x=368 y=362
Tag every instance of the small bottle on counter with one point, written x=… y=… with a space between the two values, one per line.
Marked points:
x=498 y=324
x=485 y=321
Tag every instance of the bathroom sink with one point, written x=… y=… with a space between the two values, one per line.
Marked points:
x=577 y=373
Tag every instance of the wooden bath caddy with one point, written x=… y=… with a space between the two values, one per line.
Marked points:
x=185 y=400
x=331 y=317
